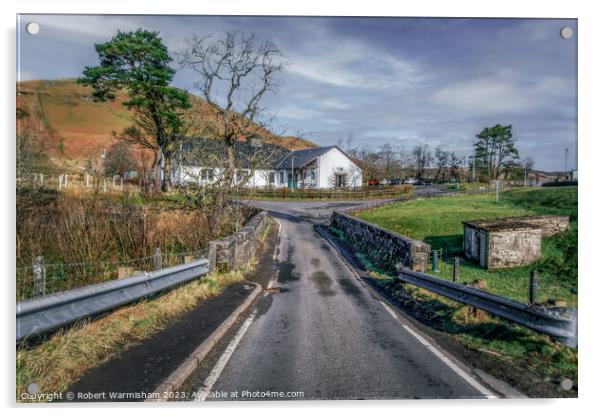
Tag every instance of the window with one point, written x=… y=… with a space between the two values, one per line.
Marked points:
x=272 y=178
x=313 y=175
x=207 y=174
x=281 y=176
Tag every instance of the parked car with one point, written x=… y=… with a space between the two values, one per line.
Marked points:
x=373 y=182
x=395 y=181
x=410 y=181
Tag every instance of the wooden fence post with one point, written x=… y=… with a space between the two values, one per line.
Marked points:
x=39 y=277
x=533 y=288
x=456 y=269
x=435 y=261
x=158 y=259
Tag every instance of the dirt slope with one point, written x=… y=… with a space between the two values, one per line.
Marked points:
x=77 y=128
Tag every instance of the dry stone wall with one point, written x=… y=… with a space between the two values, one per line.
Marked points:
x=382 y=247
x=238 y=248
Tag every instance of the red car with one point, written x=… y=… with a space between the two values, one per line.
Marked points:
x=373 y=182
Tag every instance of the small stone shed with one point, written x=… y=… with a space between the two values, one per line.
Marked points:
x=509 y=242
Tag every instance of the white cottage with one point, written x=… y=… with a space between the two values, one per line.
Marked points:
x=202 y=161
x=319 y=167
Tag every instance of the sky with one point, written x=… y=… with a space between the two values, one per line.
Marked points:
x=401 y=81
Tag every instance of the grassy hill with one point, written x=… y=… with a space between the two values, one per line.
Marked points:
x=77 y=128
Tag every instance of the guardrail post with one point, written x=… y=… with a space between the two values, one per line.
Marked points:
x=533 y=288
x=435 y=261
x=158 y=259
x=39 y=277
x=456 y=269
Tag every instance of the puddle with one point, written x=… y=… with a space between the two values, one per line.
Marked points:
x=323 y=283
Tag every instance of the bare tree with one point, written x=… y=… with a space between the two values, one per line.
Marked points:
x=235 y=73
x=442 y=159
x=389 y=164
x=422 y=159
x=118 y=159
x=455 y=164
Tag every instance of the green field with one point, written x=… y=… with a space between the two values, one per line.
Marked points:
x=438 y=222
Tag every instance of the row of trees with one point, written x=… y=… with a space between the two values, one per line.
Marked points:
x=494 y=156
x=421 y=162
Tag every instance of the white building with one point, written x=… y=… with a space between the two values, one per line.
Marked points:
x=202 y=161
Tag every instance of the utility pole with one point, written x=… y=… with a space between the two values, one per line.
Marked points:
x=566 y=158
x=293 y=172
x=472 y=162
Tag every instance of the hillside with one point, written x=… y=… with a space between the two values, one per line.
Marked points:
x=77 y=128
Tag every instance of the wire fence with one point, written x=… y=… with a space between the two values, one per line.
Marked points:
x=42 y=279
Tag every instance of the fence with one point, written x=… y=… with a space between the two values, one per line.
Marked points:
x=41 y=279
x=46 y=312
x=81 y=182
x=335 y=193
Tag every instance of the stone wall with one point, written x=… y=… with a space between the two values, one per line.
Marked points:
x=513 y=248
x=238 y=248
x=382 y=247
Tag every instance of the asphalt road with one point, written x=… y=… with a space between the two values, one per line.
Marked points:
x=324 y=335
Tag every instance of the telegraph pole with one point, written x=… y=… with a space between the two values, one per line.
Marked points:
x=293 y=172
x=566 y=158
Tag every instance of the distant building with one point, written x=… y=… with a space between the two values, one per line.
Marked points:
x=203 y=161
x=509 y=242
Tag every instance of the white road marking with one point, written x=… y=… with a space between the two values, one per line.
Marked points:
x=204 y=391
x=474 y=383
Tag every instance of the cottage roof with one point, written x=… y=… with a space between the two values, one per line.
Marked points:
x=198 y=151
x=300 y=158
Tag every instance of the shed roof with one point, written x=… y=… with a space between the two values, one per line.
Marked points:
x=501 y=224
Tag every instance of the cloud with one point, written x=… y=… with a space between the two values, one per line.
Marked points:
x=342 y=61
x=502 y=93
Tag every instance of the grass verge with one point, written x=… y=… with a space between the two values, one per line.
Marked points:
x=66 y=355
x=531 y=362
x=438 y=222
